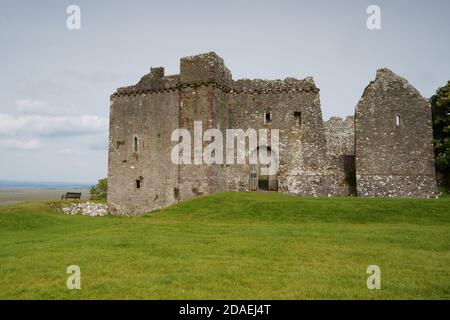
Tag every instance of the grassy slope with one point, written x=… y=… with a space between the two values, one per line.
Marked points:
x=232 y=245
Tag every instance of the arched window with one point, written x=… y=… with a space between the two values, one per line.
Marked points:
x=135 y=144
x=397 y=120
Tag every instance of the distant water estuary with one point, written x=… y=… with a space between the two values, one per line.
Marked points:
x=12 y=192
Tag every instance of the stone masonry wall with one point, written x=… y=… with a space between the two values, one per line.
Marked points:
x=150 y=117
x=302 y=140
x=340 y=137
x=200 y=75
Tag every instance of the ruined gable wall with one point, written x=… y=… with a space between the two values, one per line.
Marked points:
x=391 y=159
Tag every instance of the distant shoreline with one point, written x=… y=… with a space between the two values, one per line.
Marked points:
x=43 y=188
x=11 y=184
x=9 y=196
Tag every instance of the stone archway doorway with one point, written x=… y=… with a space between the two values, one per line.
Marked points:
x=259 y=180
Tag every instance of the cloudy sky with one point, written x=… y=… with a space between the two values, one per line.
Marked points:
x=55 y=82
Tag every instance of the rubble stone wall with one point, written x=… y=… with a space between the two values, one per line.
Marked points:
x=340 y=137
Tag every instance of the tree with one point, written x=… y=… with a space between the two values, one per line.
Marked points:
x=440 y=107
x=100 y=190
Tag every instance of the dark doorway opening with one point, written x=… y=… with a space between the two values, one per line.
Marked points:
x=263 y=184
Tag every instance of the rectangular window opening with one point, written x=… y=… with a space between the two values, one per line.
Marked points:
x=135 y=144
x=298 y=117
x=268 y=117
x=138 y=184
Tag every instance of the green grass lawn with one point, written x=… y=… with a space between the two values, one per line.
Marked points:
x=232 y=246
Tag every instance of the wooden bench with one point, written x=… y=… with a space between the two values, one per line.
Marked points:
x=71 y=195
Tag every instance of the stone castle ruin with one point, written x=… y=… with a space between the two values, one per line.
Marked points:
x=386 y=149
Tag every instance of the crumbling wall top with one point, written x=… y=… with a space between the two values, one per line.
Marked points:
x=209 y=68
x=205 y=67
x=288 y=84
x=385 y=81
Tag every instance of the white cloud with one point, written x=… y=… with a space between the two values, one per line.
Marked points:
x=39 y=125
x=16 y=144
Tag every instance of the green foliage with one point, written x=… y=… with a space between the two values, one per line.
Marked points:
x=100 y=190
x=440 y=104
x=231 y=246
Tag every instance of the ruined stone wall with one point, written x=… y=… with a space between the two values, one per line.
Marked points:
x=393 y=134
x=295 y=110
x=197 y=104
x=340 y=137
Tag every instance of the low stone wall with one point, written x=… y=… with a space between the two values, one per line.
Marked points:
x=86 y=209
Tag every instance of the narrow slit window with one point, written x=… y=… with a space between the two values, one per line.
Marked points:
x=397 y=120
x=298 y=117
x=135 y=144
x=138 y=184
x=268 y=117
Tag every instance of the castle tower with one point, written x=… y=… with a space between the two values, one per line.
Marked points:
x=201 y=78
x=141 y=175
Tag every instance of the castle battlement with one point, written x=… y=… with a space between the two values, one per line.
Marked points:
x=209 y=69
